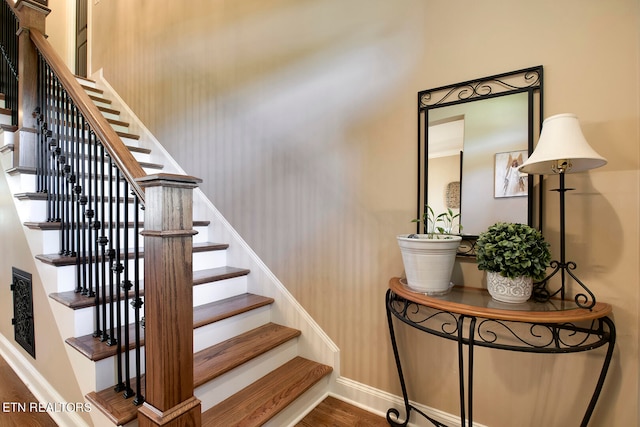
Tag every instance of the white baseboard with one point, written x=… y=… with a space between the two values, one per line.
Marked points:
x=44 y=392
x=379 y=402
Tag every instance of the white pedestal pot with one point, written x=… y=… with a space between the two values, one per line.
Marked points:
x=428 y=262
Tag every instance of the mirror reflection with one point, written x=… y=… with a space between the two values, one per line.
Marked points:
x=473 y=136
x=475 y=149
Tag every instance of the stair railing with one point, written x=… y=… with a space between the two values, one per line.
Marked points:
x=90 y=186
x=93 y=187
x=9 y=63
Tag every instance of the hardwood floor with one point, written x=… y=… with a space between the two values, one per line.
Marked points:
x=14 y=402
x=333 y=412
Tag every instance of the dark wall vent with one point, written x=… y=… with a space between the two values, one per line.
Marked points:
x=23 y=311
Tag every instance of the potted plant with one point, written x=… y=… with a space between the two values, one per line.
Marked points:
x=429 y=258
x=513 y=255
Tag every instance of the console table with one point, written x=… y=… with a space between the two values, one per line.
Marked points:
x=472 y=318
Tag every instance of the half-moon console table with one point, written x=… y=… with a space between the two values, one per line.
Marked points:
x=472 y=318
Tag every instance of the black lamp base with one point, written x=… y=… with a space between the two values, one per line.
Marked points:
x=541 y=290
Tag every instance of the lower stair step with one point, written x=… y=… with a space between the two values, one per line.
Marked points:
x=221 y=358
x=94 y=349
x=262 y=400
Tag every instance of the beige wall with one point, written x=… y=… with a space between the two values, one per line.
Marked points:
x=301 y=119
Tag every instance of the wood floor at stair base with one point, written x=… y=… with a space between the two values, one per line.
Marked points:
x=337 y=413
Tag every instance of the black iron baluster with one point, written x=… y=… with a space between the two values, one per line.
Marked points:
x=126 y=287
x=89 y=213
x=103 y=240
x=67 y=125
x=112 y=252
x=81 y=201
x=117 y=271
x=137 y=301
x=96 y=226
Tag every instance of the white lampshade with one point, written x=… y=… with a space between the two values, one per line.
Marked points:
x=561 y=140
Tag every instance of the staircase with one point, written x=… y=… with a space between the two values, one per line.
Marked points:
x=258 y=358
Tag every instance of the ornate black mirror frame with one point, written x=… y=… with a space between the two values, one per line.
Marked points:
x=527 y=81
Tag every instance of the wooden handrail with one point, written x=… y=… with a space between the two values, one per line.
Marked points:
x=112 y=143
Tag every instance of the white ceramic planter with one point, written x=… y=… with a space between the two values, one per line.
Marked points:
x=428 y=263
x=504 y=289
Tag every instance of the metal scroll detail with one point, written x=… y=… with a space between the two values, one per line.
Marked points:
x=500 y=334
x=486 y=87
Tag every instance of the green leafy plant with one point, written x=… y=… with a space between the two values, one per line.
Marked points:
x=513 y=250
x=441 y=225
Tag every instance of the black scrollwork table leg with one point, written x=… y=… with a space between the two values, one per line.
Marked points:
x=393 y=415
x=603 y=372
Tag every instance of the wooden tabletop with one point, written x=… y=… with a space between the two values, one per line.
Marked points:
x=477 y=302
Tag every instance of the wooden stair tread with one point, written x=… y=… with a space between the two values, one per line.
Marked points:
x=97 y=98
x=43 y=196
x=262 y=400
x=127 y=135
x=47 y=225
x=58 y=260
x=32 y=171
x=228 y=307
x=119 y=410
x=108 y=110
x=75 y=300
x=8 y=128
x=92 y=89
x=21 y=170
x=218 y=359
x=118 y=122
x=94 y=349
x=215 y=274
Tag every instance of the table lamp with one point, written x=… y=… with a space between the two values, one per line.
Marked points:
x=562 y=149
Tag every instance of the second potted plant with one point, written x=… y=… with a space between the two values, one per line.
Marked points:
x=514 y=255
x=429 y=258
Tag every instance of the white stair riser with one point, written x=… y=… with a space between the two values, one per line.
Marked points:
x=66 y=276
x=5 y=119
x=36 y=211
x=106 y=369
x=202 y=234
x=214 y=333
x=22 y=183
x=51 y=242
x=215 y=291
x=224 y=386
x=84 y=318
x=209 y=259
x=6 y=138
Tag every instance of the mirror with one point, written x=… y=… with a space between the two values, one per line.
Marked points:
x=471 y=138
